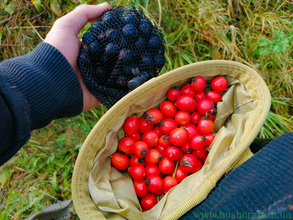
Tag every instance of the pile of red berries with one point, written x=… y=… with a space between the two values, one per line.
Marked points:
x=168 y=143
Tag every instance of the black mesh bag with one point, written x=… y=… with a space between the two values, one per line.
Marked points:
x=119 y=52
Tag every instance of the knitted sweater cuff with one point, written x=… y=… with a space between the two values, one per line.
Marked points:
x=47 y=83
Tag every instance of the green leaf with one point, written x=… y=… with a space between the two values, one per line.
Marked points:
x=55 y=7
x=61 y=138
x=263 y=42
x=54 y=182
x=37 y=4
x=9 y=9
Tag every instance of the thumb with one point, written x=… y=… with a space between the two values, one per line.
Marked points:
x=75 y=20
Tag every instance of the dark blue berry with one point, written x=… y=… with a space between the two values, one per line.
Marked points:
x=112 y=34
x=159 y=60
x=102 y=39
x=146 y=28
x=95 y=49
x=140 y=43
x=96 y=27
x=146 y=61
x=131 y=18
x=87 y=38
x=155 y=42
x=129 y=30
x=108 y=18
x=111 y=50
x=125 y=55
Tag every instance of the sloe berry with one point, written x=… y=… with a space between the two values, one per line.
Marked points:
x=125 y=55
x=95 y=49
x=112 y=34
x=146 y=28
x=159 y=60
x=155 y=42
x=87 y=38
x=131 y=18
x=141 y=42
x=129 y=30
x=111 y=50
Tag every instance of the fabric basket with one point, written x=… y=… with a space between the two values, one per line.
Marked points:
x=102 y=192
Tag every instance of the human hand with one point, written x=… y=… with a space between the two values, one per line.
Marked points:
x=64 y=37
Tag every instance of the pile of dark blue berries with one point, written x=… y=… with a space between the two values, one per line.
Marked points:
x=121 y=46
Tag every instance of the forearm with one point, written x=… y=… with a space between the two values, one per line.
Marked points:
x=35 y=89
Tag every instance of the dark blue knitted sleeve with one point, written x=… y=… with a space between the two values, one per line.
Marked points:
x=34 y=90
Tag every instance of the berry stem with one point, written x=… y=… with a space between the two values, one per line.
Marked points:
x=175 y=168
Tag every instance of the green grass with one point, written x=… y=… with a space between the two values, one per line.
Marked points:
x=256 y=33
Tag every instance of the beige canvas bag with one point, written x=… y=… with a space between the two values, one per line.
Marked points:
x=101 y=192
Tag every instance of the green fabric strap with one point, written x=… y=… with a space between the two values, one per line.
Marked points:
x=57 y=211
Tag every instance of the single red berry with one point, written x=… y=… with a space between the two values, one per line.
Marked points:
x=168 y=109
x=219 y=83
x=173 y=153
x=149 y=201
x=188 y=163
x=131 y=125
x=144 y=125
x=198 y=83
x=178 y=136
x=209 y=139
x=200 y=95
x=187 y=90
x=140 y=148
x=205 y=107
x=119 y=161
x=180 y=174
x=137 y=172
x=166 y=165
x=195 y=117
x=197 y=142
x=152 y=170
x=201 y=153
x=150 y=137
x=214 y=96
x=164 y=141
x=135 y=160
x=182 y=117
x=153 y=156
x=173 y=94
x=205 y=126
x=168 y=183
x=186 y=103
x=167 y=125
x=140 y=188
x=125 y=145
x=154 y=183
x=153 y=115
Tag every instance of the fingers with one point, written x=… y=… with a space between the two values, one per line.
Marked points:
x=80 y=16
